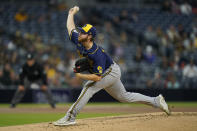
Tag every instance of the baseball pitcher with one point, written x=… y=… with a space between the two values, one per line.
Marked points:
x=105 y=73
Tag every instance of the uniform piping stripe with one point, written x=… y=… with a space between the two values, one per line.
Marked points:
x=94 y=51
x=71 y=33
x=110 y=69
x=88 y=86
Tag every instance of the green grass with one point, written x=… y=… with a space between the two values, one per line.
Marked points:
x=10 y=119
x=181 y=104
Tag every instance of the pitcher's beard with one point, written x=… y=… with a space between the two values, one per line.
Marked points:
x=82 y=40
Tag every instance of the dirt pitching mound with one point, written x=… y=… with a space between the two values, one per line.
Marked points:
x=178 y=121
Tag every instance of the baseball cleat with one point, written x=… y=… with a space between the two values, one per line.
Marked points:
x=63 y=122
x=12 y=106
x=53 y=106
x=163 y=105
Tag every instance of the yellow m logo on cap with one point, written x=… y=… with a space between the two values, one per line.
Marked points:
x=87 y=27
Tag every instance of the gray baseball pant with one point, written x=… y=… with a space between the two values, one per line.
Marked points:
x=112 y=84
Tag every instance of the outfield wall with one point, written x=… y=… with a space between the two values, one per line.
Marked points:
x=70 y=95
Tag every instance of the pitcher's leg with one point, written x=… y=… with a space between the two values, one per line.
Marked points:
x=88 y=91
x=118 y=92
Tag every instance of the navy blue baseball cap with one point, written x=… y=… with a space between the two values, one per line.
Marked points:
x=88 y=29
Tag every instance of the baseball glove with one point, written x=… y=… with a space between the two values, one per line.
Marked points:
x=82 y=65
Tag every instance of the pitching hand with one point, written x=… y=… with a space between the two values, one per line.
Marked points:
x=74 y=10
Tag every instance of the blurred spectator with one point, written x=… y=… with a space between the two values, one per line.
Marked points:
x=161 y=41
x=164 y=64
x=171 y=82
x=62 y=6
x=122 y=65
x=164 y=40
x=181 y=30
x=108 y=32
x=159 y=32
x=21 y=16
x=150 y=36
x=190 y=75
x=139 y=55
x=124 y=17
x=51 y=75
x=61 y=67
x=108 y=29
x=166 y=6
x=195 y=41
x=41 y=18
x=7 y=76
x=43 y=33
x=134 y=17
x=193 y=3
x=158 y=81
x=186 y=41
x=116 y=21
x=39 y=45
x=149 y=56
x=118 y=51
x=166 y=47
x=172 y=33
x=102 y=42
x=177 y=60
x=123 y=37
x=2 y=31
x=52 y=4
x=175 y=7
x=185 y=8
x=71 y=63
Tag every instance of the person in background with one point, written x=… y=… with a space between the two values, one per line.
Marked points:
x=190 y=75
x=5 y=75
x=31 y=72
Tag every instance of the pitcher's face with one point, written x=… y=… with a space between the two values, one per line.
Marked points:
x=83 y=37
